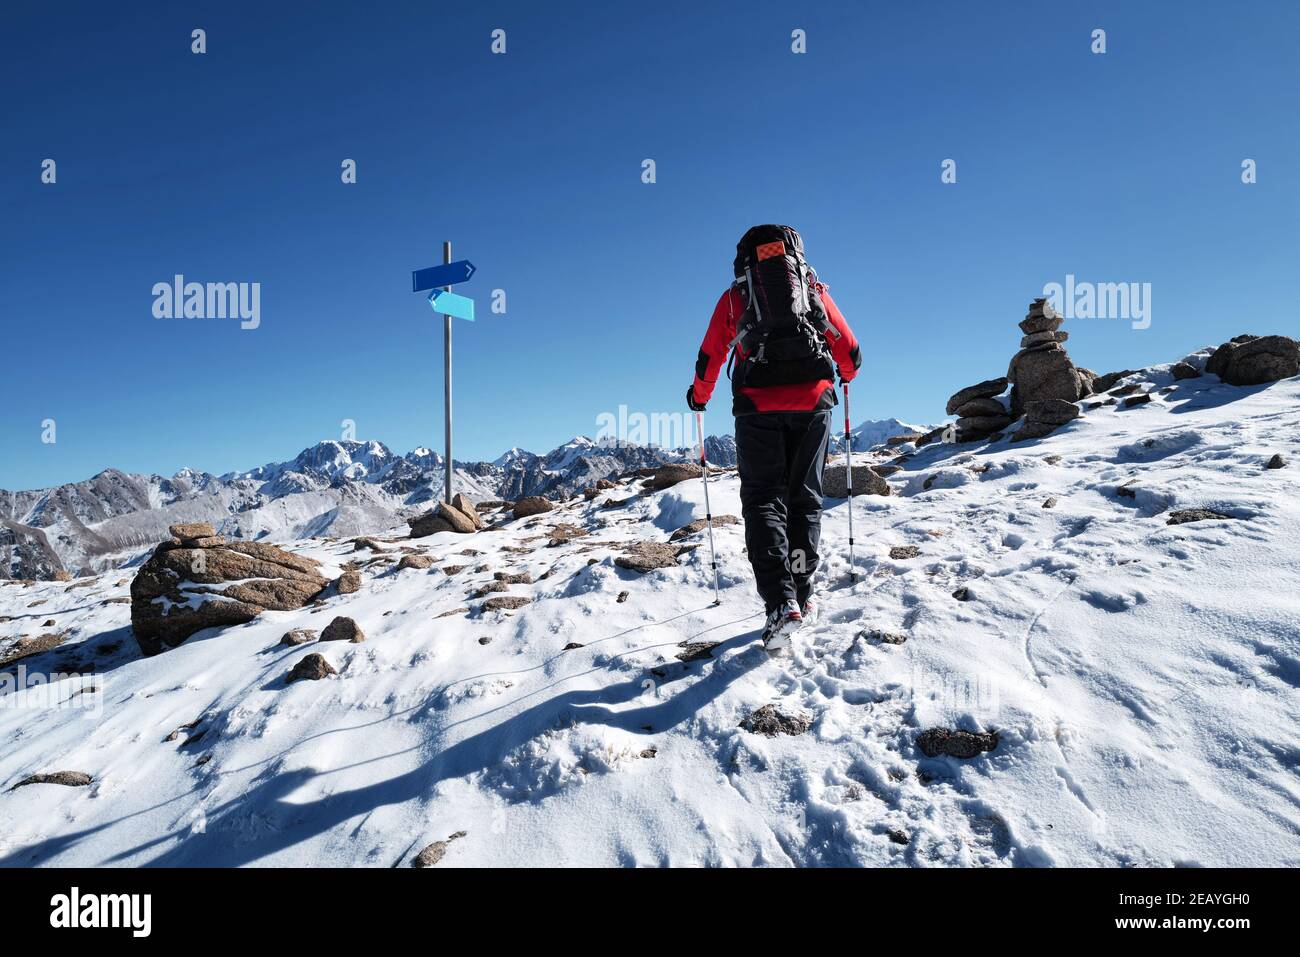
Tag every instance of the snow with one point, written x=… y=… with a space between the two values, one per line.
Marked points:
x=1141 y=678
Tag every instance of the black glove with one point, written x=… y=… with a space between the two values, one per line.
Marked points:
x=690 y=400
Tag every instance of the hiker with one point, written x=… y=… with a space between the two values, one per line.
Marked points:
x=787 y=339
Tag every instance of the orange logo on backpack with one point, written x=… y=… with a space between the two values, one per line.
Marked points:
x=769 y=250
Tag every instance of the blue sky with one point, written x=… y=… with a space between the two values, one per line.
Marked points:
x=1120 y=167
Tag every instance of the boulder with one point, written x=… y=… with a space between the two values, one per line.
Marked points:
x=343 y=629
x=866 y=481
x=1046 y=373
x=975 y=425
x=1255 y=360
x=192 y=530
x=463 y=505
x=981 y=390
x=430 y=523
x=298 y=636
x=181 y=590
x=458 y=520
x=666 y=476
x=532 y=505
x=1185 y=370
x=903 y=552
x=348 y=583
x=414 y=561
x=513 y=578
x=1051 y=411
x=1276 y=462
x=313 y=667
x=979 y=407
x=1106 y=382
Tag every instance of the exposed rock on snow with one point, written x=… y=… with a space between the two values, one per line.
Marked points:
x=1276 y=462
x=70 y=779
x=866 y=481
x=343 y=628
x=647 y=556
x=696 y=651
x=770 y=722
x=903 y=552
x=464 y=506
x=505 y=603
x=435 y=852
x=298 y=636
x=532 y=505
x=1184 y=370
x=312 y=667
x=1184 y=515
x=1255 y=360
x=348 y=583
x=946 y=742
x=700 y=524
x=181 y=590
x=414 y=561
x=667 y=476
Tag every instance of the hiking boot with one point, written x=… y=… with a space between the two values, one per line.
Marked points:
x=781 y=624
x=810 y=610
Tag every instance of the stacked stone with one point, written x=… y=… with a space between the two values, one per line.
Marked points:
x=1046 y=384
x=980 y=413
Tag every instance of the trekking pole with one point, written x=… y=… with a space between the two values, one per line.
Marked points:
x=708 y=509
x=848 y=468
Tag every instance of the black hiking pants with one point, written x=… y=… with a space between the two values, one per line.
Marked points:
x=780 y=457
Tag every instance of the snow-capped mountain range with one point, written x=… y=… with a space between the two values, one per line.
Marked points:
x=334 y=487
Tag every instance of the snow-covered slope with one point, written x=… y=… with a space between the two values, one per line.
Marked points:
x=1141 y=678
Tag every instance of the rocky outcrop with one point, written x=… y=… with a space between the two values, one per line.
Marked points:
x=196 y=581
x=1255 y=360
x=1184 y=515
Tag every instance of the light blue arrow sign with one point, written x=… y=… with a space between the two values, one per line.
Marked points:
x=445 y=275
x=450 y=304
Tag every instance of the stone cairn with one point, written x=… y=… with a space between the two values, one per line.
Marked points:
x=1045 y=387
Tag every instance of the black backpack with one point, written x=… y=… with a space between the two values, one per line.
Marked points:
x=782 y=333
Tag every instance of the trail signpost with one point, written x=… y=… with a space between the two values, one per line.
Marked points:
x=450 y=305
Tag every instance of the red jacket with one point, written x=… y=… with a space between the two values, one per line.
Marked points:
x=799 y=397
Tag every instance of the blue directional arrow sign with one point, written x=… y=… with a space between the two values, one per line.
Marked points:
x=446 y=275
x=450 y=304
